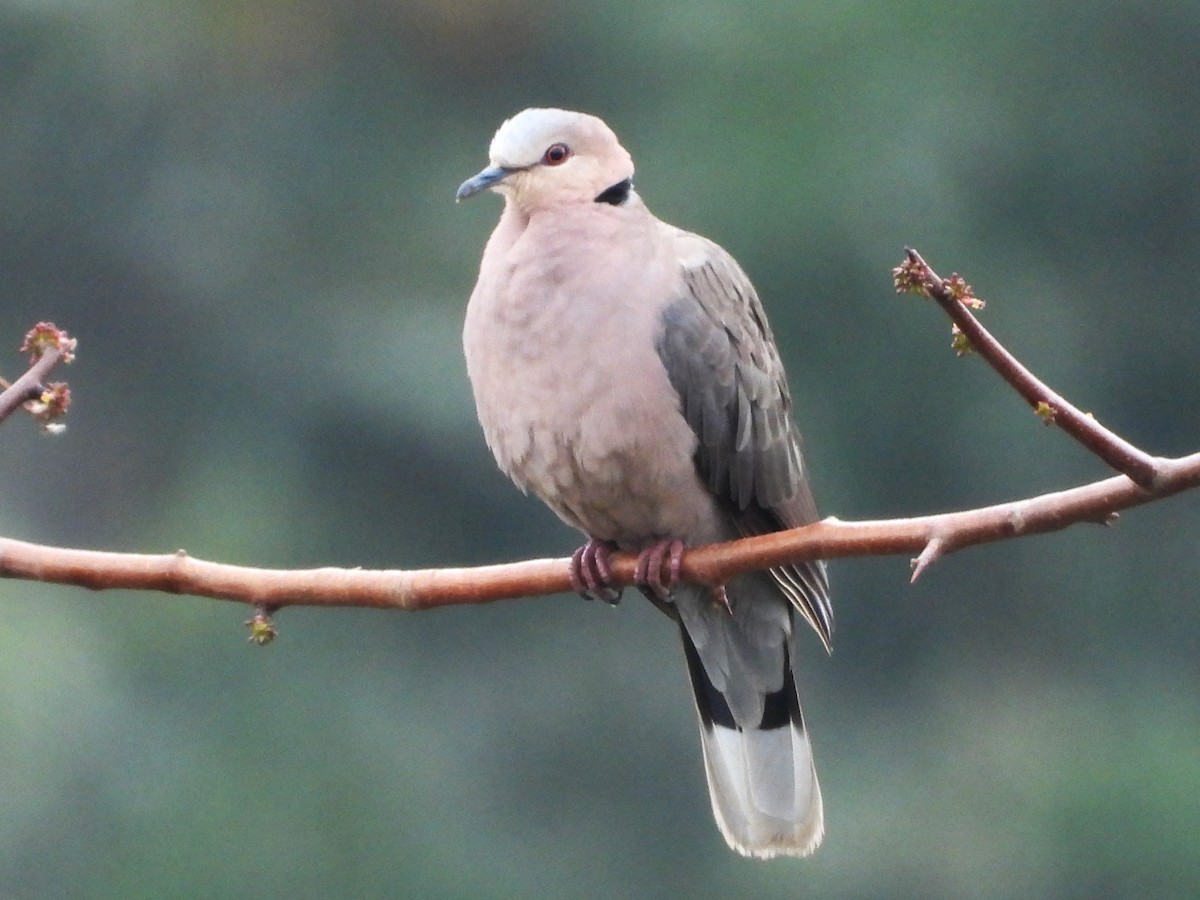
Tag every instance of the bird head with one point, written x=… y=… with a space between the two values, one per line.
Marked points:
x=543 y=157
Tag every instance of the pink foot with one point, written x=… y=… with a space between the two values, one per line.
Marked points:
x=591 y=572
x=649 y=572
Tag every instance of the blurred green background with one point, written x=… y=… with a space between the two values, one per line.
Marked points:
x=245 y=213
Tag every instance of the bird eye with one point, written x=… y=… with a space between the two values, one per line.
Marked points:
x=556 y=154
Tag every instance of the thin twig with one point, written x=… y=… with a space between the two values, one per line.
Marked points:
x=30 y=385
x=1121 y=455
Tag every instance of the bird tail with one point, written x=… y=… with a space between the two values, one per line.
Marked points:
x=765 y=795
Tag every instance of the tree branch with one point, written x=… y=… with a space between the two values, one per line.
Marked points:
x=933 y=536
x=953 y=295
x=1145 y=478
x=30 y=385
x=49 y=345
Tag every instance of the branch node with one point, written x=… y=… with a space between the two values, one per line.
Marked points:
x=262 y=629
x=1045 y=412
x=960 y=343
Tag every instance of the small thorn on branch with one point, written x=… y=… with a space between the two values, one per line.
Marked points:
x=932 y=553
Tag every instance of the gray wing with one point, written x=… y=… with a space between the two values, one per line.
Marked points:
x=721 y=358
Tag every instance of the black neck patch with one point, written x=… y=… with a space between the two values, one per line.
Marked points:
x=617 y=194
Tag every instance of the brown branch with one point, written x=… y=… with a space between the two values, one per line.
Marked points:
x=30 y=385
x=1145 y=478
x=931 y=536
x=1123 y=456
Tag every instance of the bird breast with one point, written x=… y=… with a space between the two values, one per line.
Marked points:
x=573 y=398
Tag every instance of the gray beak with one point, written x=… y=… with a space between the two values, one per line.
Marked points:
x=489 y=177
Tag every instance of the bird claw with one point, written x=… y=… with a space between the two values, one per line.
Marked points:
x=649 y=571
x=721 y=598
x=591 y=572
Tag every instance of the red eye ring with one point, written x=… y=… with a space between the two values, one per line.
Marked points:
x=556 y=154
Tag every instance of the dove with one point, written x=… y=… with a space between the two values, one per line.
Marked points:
x=624 y=372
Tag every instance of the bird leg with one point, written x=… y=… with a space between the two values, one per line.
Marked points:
x=649 y=571
x=591 y=572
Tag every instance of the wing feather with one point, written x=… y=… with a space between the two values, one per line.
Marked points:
x=721 y=358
